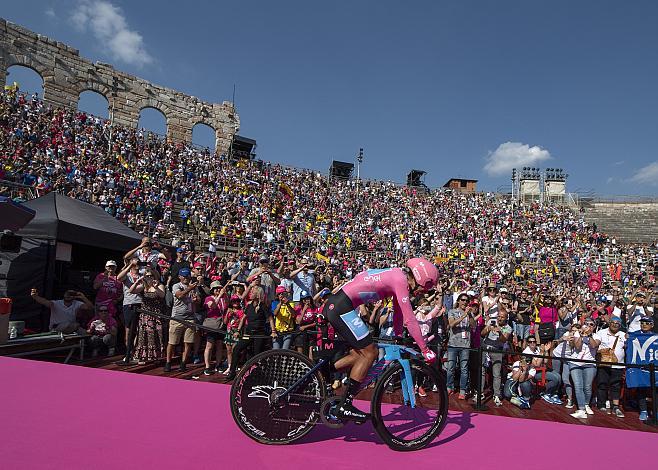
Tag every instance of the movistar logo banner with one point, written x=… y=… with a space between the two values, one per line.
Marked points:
x=642 y=349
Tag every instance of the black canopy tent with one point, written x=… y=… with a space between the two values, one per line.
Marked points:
x=66 y=243
x=68 y=220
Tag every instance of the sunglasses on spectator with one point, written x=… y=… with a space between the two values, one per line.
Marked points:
x=532 y=341
x=590 y=323
x=462 y=299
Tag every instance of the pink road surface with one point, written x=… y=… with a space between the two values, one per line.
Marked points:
x=58 y=416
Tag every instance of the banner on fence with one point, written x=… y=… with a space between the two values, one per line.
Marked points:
x=642 y=348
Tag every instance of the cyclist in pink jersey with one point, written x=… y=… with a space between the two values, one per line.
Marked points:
x=341 y=309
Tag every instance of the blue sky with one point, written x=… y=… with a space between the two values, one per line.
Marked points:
x=465 y=88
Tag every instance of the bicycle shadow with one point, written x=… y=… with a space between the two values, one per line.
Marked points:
x=457 y=424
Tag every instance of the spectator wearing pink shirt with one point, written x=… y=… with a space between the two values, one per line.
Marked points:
x=108 y=288
x=216 y=304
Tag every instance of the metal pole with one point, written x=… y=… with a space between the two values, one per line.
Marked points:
x=654 y=405
x=478 y=398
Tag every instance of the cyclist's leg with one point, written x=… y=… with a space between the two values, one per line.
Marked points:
x=348 y=324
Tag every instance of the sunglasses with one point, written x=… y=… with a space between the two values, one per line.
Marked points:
x=462 y=300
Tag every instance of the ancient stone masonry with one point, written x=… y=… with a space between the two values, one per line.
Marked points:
x=65 y=75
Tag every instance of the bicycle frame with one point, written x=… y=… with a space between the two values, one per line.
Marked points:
x=392 y=353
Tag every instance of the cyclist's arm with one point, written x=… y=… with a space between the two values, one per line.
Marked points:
x=403 y=305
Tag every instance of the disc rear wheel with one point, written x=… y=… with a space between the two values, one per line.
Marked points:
x=257 y=402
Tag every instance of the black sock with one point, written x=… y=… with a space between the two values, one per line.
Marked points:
x=351 y=390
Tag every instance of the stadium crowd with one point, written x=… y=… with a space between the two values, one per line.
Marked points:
x=513 y=278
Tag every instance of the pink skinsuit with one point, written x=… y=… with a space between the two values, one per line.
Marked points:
x=378 y=284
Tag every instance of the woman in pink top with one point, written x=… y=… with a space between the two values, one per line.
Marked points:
x=547 y=316
x=109 y=289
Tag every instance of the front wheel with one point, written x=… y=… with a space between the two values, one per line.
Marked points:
x=257 y=402
x=399 y=425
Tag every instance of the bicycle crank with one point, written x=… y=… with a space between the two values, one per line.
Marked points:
x=327 y=410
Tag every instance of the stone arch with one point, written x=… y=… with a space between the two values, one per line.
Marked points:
x=22 y=85
x=148 y=102
x=97 y=87
x=89 y=102
x=203 y=141
x=162 y=132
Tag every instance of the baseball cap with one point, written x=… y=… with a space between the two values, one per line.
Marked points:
x=616 y=319
x=111 y=263
x=215 y=284
x=264 y=259
x=180 y=250
x=646 y=318
x=184 y=272
x=280 y=289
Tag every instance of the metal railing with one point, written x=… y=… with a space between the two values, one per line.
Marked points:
x=480 y=351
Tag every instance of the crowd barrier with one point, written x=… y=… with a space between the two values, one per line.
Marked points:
x=480 y=351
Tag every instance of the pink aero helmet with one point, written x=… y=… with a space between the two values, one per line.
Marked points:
x=424 y=272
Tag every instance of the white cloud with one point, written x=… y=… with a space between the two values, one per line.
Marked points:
x=647 y=174
x=108 y=24
x=514 y=155
x=50 y=12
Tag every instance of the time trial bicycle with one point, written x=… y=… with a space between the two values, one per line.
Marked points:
x=279 y=395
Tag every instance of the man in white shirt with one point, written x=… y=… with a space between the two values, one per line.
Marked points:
x=608 y=377
x=637 y=309
x=63 y=313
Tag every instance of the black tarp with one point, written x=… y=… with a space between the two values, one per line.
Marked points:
x=68 y=220
x=95 y=236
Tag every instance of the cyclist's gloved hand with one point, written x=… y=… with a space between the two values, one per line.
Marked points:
x=429 y=355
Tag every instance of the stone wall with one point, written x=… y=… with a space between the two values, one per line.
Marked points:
x=65 y=75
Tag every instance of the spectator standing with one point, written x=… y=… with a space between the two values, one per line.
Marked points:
x=145 y=254
x=256 y=315
x=267 y=279
x=303 y=281
x=132 y=302
x=495 y=335
x=283 y=319
x=460 y=324
x=612 y=344
x=306 y=320
x=216 y=304
x=232 y=319
x=64 y=313
x=108 y=287
x=179 y=264
x=646 y=326
x=185 y=297
x=523 y=319
x=638 y=308
x=149 y=331
x=103 y=331
x=582 y=374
